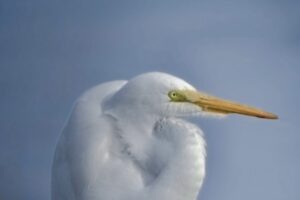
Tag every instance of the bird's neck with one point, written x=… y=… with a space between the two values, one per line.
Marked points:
x=177 y=161
x=184 y=173
x=135 y=130
x=136 y=123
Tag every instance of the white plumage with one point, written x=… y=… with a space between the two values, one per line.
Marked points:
x=124 y=140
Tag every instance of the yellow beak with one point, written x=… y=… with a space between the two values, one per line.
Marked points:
x=217 y=105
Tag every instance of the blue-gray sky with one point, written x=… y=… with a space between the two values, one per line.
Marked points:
x=248 y=51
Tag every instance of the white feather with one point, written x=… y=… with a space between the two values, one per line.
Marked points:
x=124 y=141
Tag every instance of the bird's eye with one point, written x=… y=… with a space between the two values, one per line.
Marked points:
x=176 y=96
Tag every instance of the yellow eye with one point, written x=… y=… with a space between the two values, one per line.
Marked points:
x=173 y=94
x=176 y=96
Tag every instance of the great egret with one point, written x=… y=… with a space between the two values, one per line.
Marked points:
x=125 y=140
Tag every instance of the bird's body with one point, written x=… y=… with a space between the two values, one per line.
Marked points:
x=125 y=140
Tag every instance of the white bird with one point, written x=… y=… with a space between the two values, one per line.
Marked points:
x=126 y=140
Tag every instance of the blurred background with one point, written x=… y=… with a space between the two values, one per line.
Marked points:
x=248 y=51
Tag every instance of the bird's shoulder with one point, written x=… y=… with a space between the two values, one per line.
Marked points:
x=88 y=149
x=87 y=122
x=88 y=108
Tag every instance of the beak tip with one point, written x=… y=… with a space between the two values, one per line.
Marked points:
x=270 y=116
x=275 y=117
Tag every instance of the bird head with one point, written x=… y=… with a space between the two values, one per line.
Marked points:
x=165 y=95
